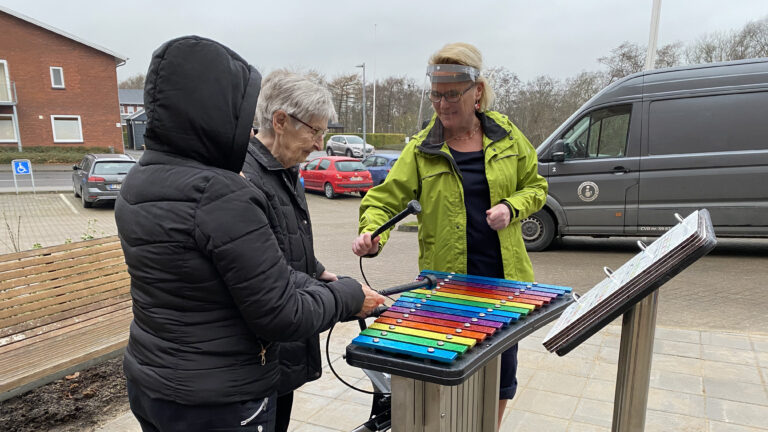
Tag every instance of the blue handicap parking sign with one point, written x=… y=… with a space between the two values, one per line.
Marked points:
x=21 y=167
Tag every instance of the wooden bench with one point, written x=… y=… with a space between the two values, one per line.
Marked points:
x=62 y=309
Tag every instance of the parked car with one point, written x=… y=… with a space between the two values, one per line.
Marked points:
x=335 y=175
x=657 y=143
x=98 y=177
x=379 y=166
x=348 y=145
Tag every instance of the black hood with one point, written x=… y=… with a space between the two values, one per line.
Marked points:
x=200 y=98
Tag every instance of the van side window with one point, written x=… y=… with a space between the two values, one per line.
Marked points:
x=733 y=122
x=600 y=134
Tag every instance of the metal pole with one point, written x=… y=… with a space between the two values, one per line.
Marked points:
x=639 y=325
x=373 y=125
x=650 y=56
x=634 y=371
x=364 y=108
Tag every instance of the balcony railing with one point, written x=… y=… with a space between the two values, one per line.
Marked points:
x=8 y=94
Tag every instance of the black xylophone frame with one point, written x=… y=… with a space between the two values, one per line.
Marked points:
x=458 y=397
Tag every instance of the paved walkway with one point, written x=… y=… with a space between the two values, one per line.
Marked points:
x=701 y=380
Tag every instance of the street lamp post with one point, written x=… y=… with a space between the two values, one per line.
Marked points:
x=363 y=66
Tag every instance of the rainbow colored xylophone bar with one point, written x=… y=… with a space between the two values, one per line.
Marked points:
x=462 y=310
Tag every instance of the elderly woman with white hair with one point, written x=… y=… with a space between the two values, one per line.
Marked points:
x=293 y=113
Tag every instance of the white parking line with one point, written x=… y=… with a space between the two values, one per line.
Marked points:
x=69 y=204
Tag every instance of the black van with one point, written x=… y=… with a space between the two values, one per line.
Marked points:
x=657 y=143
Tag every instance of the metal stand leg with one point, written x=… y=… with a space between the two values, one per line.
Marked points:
x=472 y=406
x=634 y=372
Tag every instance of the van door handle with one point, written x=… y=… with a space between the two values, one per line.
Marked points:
x=620 y=170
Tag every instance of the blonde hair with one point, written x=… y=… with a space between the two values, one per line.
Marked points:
x=466 y=54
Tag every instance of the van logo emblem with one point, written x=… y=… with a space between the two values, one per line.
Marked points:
x=588 y=191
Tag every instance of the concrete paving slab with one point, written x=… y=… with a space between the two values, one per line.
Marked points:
x=659 y=421
x=736 y=391
x=676 y=402
x=522 y=421
x=594 y=412
x=731 y=372
x=740 y=413
x=728 y=340
x=676 y=381
x=715 y=426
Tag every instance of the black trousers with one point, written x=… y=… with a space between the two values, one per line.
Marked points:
x=283 y=417
x=159 y=415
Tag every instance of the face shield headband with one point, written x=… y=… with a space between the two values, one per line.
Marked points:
x=442 y=73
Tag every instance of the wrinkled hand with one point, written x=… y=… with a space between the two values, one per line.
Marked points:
x=497 y=217
x=328 y=276
x=371 y=302
x=363 y=245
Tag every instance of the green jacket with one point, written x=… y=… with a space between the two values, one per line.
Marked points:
x=427 y=172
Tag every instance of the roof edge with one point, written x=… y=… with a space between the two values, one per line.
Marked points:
x=119 y=58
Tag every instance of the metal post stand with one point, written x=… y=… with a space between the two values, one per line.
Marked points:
x=634 y=373
x=472 y=406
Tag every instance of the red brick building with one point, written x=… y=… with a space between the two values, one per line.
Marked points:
x=55 y=88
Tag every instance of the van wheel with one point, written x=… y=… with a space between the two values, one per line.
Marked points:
x=329 y=150
x=329 y=191
x=538 y=231
x=348 y=153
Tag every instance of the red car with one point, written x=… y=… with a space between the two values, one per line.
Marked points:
x=335 y=175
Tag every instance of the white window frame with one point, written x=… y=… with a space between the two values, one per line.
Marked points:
x=7 y=78
x=53 y=83
x=53 y=128
x=13 y=123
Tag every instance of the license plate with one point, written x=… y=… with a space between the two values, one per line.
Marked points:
x=355 y=178
x=114 y=187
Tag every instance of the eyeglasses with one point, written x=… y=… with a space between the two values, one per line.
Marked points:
x=316 y=133
x=451 y=96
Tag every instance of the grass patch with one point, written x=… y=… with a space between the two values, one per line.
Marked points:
x=48 y=155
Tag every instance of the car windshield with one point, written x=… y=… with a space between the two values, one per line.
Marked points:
x=354 y=140
x=347 y=166
x=112 y=168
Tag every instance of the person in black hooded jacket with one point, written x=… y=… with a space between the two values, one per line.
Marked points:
x=213 y=296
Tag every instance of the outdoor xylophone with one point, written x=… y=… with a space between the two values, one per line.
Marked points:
x=444 y=334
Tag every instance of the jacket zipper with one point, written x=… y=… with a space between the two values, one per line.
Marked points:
x=258 y=411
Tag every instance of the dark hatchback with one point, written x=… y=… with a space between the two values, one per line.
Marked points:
x=99 y=177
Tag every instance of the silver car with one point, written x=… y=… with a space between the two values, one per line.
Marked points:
x=348 y=145
x=98 y=177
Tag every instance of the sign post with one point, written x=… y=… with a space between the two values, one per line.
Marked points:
x=22 y=167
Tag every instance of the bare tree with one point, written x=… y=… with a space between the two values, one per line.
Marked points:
x=624 y=60
x=133 y=82
x=669 y=55
x=342 y=88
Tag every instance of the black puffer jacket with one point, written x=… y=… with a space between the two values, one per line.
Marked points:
x=210 y=286
x=288 y=217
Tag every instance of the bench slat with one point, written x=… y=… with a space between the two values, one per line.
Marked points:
x=26 y=276
x=65 y=315
x=44 y=362
x=31 y=335
x=58 y=248
x=105 y=291
x=33 y=293
x=45 y=259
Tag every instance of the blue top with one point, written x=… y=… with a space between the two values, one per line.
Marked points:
x=483 y=247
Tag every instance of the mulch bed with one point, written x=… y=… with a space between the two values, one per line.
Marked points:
x=78 y=403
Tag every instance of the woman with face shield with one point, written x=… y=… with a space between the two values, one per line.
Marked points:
x=476 y=177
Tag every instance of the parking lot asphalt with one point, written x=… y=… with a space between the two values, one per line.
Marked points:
x=710 y=364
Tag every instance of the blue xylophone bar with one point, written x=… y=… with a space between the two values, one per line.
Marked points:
x=420 y=351
x=453 y=311
x=512 y=315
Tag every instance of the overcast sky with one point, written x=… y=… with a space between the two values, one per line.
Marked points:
x=393 y=37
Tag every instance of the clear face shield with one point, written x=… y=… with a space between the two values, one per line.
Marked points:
x=445 y=73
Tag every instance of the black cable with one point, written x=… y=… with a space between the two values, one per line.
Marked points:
x=330 y=366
